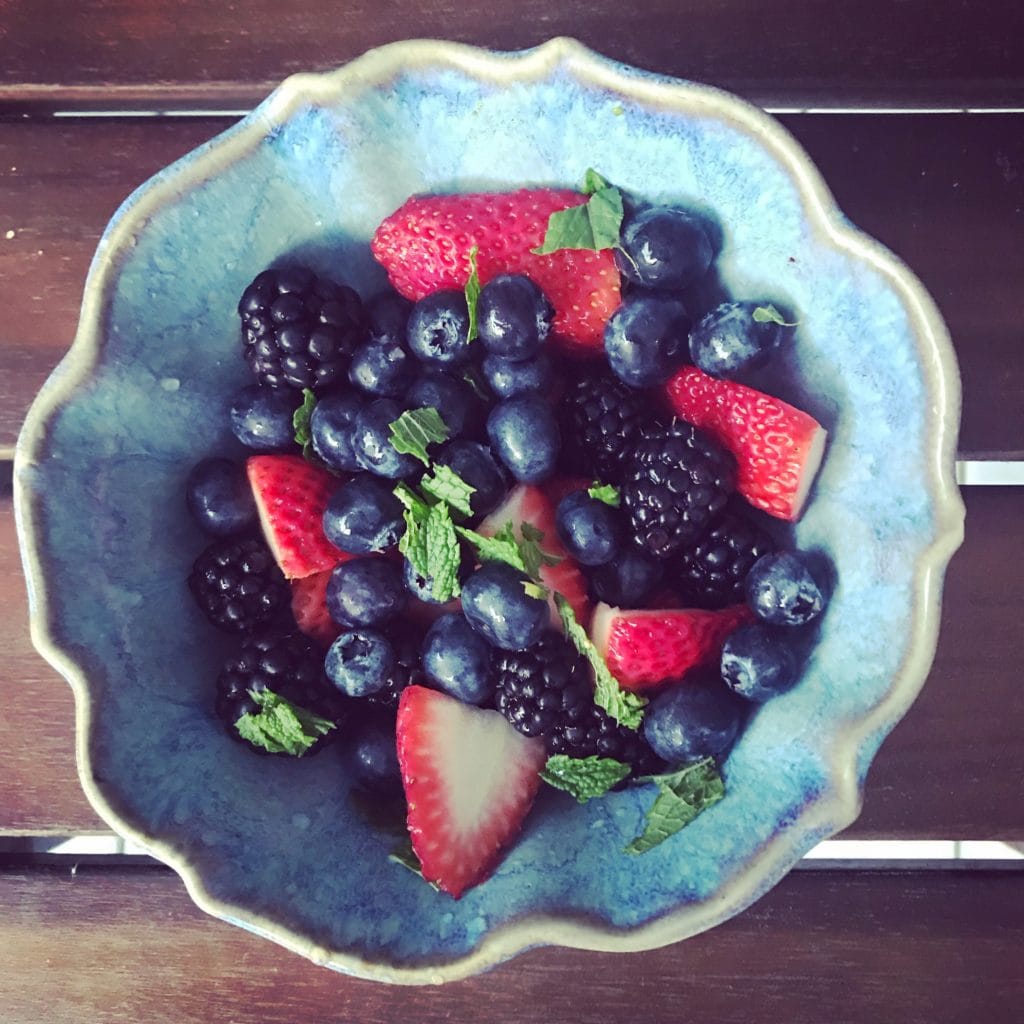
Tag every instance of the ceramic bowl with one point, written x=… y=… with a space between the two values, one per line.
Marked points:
x=274 y=845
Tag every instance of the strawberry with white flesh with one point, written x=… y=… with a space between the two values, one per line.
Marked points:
x=526 y=504
x=778 y=448
x=309 y=607
x=291 y=495
x=645 y=648
x=469 y=781
x=425 y=244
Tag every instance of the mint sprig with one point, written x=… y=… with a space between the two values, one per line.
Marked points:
x=301 y=418
x=281 y=727
x=625 y=707
x=502 y=547
x=430 y=544
x=533 y=555
x=594 y=182
x=682 y=795
x=446 y=485
x=594 y=225
x=415 y=429
x=606 y=493
x=770 y=315
x=472 y=291
x=583 y=777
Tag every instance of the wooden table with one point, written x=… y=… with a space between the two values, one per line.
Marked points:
x=912 y=111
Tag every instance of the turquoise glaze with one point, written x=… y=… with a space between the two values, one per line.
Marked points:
x=275 y=846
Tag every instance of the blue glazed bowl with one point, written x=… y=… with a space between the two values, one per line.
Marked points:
x=275 y=846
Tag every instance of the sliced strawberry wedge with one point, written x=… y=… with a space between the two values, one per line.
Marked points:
x=526 y=504
x=309 y=607
x=778 y=448
x=469 y=780
x=291 y=496
x=646 y=648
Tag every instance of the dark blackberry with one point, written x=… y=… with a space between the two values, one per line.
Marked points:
x=407 y=671
x=677 y=480
x=601 y=420
x=238 y=585
x=543 y=688
x=300 y=330
x=712 y=573
x=288 y=664
x=596 y=734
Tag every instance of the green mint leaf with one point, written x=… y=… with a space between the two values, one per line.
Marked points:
x=443 y=554
x=281 y=727
x=535 y=590
x=446 y=485
x=502 y=547
x=405 y=855
x=594 y=225
x=606 y=493
x=682 y=795
x=412 y=501
x=417 y=428
x=583 y=777
x=533 y=555
x=770 y=315
x=594 y=182
x=301 y=418
x=472 y=294
x=625 y=707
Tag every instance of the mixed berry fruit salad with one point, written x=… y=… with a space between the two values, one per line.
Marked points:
x=511 y=523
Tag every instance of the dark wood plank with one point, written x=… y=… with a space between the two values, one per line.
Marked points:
x=117 y=945
x=104 y=53
x=945 y=193
x=953 y=769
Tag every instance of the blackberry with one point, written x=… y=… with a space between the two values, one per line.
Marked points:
x=288 y=664
x=300 y=330
x=407 y=671
x=712 y=573
x=543 y=688
x=677 y=480
x=596 y=734
x=238 y=585
x=601 y=420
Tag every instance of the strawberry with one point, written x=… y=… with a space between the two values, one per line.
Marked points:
x=309 y=607
x=778 y=448
x=469 y=780
x=424 y=246
x=291 y=496
x=645 y=648
x=526 y=504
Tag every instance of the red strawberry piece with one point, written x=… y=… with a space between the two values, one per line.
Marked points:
x=778 y=448
x=469 y=780
x=291 y=495
x=525 y=504
x=309 y=607
x=424 y=246
x=646 y=648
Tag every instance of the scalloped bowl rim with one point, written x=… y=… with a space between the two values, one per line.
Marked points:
x=826 y=815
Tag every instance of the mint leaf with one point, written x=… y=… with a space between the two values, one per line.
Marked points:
x=446 y=485
x=594 y=182
x=770 y=315
x=625 y=707
x=417 y=428
x=682 y=795
x=502 y=547
x=535 y=590
x=472 y=294
x=301 y=418
x=443 y=554
x=411 y=500
x=405 y=855
x=594 y=225
x=281 y=727
x=534 y=557
x=583 y=777
x=606 y=493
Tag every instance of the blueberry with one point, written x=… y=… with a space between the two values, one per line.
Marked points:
x=331 y=426
x=358 y=662
x=591 y=531
x=388 y=316
x=363 y=516
x=758 y=662
x=628 y=580
x=497 y=606
x=513 y=316
x=371 y=441
x=663 y=247
x=438 y=330
x=524 y=435
x=261 y=418
x=509 y=378
x=458 y=659
x=219 y=497
x=782 y=591
x=374 y=753
x=475 y=464
x=692 y=720
x=729 y=341
x=382 y=368
x=365 y=592
x=646 y=339
x=453 y=398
